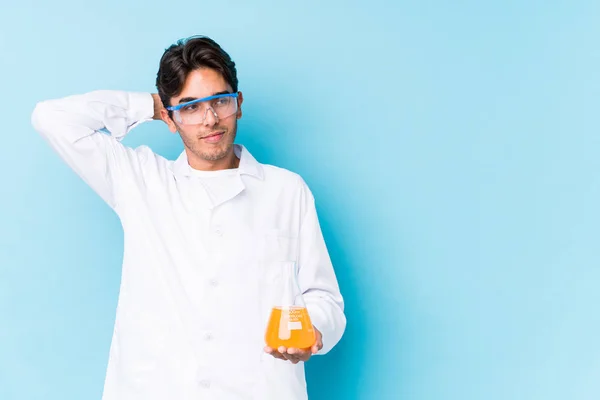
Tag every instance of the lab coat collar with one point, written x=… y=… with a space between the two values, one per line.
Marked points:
x=248 y=164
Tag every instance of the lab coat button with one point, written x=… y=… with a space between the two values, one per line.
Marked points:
x=205 y=384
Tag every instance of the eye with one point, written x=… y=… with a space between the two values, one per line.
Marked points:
x=222 y=101
x=190 y=108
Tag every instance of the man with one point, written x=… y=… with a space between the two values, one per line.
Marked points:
x=207 y=237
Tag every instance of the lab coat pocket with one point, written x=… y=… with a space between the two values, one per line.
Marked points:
x=273 y=281
x=279 y=245
x=279 y=249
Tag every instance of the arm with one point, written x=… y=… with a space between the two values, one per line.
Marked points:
x=321 y=293
x=317 y=278
x=72 y=128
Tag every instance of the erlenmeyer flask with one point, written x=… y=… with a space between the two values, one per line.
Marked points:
x=289 y=324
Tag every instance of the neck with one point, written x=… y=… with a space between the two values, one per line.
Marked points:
x=228 y=162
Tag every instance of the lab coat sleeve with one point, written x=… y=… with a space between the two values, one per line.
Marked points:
x=73 y=127
x=317 y=279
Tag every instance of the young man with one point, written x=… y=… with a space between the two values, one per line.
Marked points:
x=207 y=237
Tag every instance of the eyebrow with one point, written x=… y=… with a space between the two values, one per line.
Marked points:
x=188 y=99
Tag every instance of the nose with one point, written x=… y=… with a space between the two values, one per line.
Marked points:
x=210 y=117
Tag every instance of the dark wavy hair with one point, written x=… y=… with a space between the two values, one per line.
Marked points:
x=186 y=56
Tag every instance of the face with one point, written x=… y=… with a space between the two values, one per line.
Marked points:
x=209 y=144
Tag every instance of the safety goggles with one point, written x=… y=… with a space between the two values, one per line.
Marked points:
x=194 y=112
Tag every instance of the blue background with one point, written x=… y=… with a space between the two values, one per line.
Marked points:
x=452 y=148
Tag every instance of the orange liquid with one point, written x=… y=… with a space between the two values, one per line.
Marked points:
x=290 y=327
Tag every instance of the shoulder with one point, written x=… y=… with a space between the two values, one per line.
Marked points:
x=282 y=177
x=291 y=184
x=146 y=162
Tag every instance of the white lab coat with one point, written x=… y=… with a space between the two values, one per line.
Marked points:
x=201 y=264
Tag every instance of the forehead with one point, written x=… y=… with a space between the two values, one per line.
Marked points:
x=202 y=82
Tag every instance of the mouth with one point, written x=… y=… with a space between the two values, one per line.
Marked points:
x=213 y=137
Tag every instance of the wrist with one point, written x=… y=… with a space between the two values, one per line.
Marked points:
x=158 y=106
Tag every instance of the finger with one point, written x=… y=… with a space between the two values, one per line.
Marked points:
x=294 y=355
x=296 y=352
x=317 y=347
x=299 y=354
x=278 y=355
x=318 y=342
x=284 y=352
x=274 y=353
x=294 y=358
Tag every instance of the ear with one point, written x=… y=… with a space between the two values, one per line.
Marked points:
x=240 y=101
x=164 y=114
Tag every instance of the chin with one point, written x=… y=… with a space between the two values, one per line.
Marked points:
x=215 y=155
